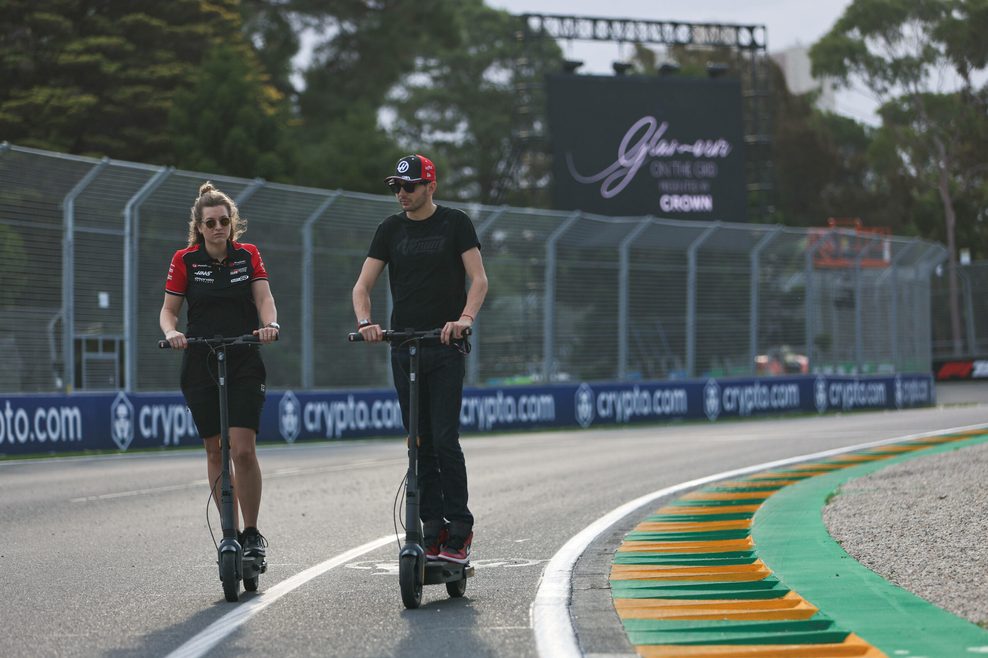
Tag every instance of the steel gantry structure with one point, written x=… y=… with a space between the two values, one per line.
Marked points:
x=747 y=43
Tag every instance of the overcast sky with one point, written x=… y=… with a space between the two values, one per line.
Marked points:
x=787 y=23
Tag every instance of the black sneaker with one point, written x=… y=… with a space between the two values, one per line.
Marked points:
x=254 y=543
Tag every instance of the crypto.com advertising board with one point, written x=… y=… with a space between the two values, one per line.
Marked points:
x=647 y=145
x=127 y=421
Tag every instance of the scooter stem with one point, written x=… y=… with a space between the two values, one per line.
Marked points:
x=413 y=525
x=226 y=485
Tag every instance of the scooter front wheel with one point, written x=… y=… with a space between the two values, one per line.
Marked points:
x=228 y=574
x=410 y=582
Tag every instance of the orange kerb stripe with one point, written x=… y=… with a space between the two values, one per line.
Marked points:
x=896 y=448
x=723 y=509
x=800 y=612
x=695 y=526
x=731 y=573
x=802 y=468
x=789 y=601
x=718 y=546
x=859 y=458
x=852 y=647
x=778 y=484
x=742 y=495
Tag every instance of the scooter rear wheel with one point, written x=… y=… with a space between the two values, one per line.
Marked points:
x=410 y=582
x=228 y=574
x=250 y=584
x=457 y=588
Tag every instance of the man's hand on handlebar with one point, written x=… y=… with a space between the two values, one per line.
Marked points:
x=176 y=339
x=454 y=330
x=266 y=334
x=371 y=333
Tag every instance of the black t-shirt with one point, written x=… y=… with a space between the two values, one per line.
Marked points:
x=219 y=293
x=425 y=266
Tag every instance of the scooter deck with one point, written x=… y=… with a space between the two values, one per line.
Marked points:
x=440 y=571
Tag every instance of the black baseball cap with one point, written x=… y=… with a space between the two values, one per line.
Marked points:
x=413 y=168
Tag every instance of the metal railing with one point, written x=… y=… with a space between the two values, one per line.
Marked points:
x=86 y=244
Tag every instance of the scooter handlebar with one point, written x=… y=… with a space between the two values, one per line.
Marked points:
x=394 y=335
x=215 y=341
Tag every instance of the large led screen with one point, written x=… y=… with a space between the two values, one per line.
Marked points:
x=647 y=145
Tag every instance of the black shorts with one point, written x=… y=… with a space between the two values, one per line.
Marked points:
x=246 y=378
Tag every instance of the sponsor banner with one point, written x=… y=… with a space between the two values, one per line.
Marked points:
x=121 y=421
x=637 y=145
x=960 y=369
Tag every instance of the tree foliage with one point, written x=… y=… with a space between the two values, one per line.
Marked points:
x=918 y=57
x=460 y=104
x=99 y=78
x=229 y=120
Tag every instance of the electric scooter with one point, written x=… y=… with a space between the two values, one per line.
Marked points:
x=414 y=570
x=234 y=565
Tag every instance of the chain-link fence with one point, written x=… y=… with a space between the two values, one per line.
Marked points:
x=972 y=307
x=86 y=245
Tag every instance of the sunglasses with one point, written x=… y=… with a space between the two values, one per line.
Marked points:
x=408 y=187
x=211 y=223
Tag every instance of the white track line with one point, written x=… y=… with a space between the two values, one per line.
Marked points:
x=219 y=629
x=555 y=636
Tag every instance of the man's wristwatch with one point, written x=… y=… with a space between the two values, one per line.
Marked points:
x=273 y=325
x=364 y=323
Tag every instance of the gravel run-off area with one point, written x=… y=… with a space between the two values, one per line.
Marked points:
x=923 y=525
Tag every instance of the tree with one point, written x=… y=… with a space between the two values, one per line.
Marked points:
x=902 y=50
x=361 y=49
x=460 y=104
x=229 y=120
x=98 y=78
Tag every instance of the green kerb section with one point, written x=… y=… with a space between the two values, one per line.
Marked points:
x=767 y=588
x=710 y=535
x=687 y=633
x=791 y=539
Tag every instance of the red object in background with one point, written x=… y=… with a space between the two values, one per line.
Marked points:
x=842 y=248
x=782 y=361
x=954 y=370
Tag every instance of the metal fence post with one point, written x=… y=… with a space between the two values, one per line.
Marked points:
x=972 y=340
x=808 y=314
x=624 y=269
x=131 y=221
x=473 y=363
x=691 y=297
x=549 y=304
x=249 y=191
x=858 y=321
x=753 y=301
x=68 y=274
x=894 y=308
x=308 y=289
x=938 y=257
x=894 y=305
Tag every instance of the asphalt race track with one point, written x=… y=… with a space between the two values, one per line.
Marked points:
x=111 y=556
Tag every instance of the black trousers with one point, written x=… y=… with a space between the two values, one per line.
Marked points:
x=442 y=470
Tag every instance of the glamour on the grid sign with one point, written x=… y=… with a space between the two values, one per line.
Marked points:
x=648 y=145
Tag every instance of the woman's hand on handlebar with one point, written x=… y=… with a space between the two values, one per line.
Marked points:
x=266 y=334
x=371 y=333
x=454 y=330
x=176 y=339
